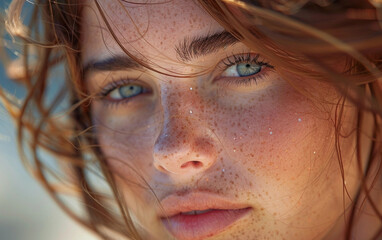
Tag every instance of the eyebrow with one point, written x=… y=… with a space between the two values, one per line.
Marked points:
x=186 y=50
x=195 y=47
x=115 y=63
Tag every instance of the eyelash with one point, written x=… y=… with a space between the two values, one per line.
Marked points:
x=228 y=81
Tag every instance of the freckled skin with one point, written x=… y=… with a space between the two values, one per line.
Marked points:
x=264 y=145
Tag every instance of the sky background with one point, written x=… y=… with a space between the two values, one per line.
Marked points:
x=26 y=210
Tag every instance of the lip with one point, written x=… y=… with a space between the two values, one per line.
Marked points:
x=223 y=214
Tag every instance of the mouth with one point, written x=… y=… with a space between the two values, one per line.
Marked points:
x=199 y=215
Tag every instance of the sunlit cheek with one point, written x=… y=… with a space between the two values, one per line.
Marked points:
x=279 y=135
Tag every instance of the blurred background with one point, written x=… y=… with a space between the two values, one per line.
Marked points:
x=26 y=210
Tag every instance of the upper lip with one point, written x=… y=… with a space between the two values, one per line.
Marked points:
x=179 y=203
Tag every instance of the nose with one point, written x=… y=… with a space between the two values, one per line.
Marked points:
x=185 y=145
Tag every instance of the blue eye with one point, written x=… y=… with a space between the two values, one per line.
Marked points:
x=244 y=65
x=242 y=70
x=247 y=69
x=125 y=91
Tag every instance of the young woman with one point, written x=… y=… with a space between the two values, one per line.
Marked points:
x=209 y=119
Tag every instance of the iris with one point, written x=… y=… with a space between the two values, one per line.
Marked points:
x=247 y=69
x=126 y=91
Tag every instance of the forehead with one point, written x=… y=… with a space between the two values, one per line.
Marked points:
x=147 y=27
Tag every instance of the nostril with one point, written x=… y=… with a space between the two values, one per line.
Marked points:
x=194 y=164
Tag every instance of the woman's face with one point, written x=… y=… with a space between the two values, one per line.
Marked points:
x=212 y=126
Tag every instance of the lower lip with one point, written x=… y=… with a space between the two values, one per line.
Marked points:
x=201 y=226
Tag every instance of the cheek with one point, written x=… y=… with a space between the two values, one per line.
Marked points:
x=279 y=127
x=279 y=142
x=126 y=138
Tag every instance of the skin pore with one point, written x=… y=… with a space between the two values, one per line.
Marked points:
x=253 y=140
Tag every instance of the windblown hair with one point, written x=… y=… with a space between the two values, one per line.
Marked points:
x=291 y=33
